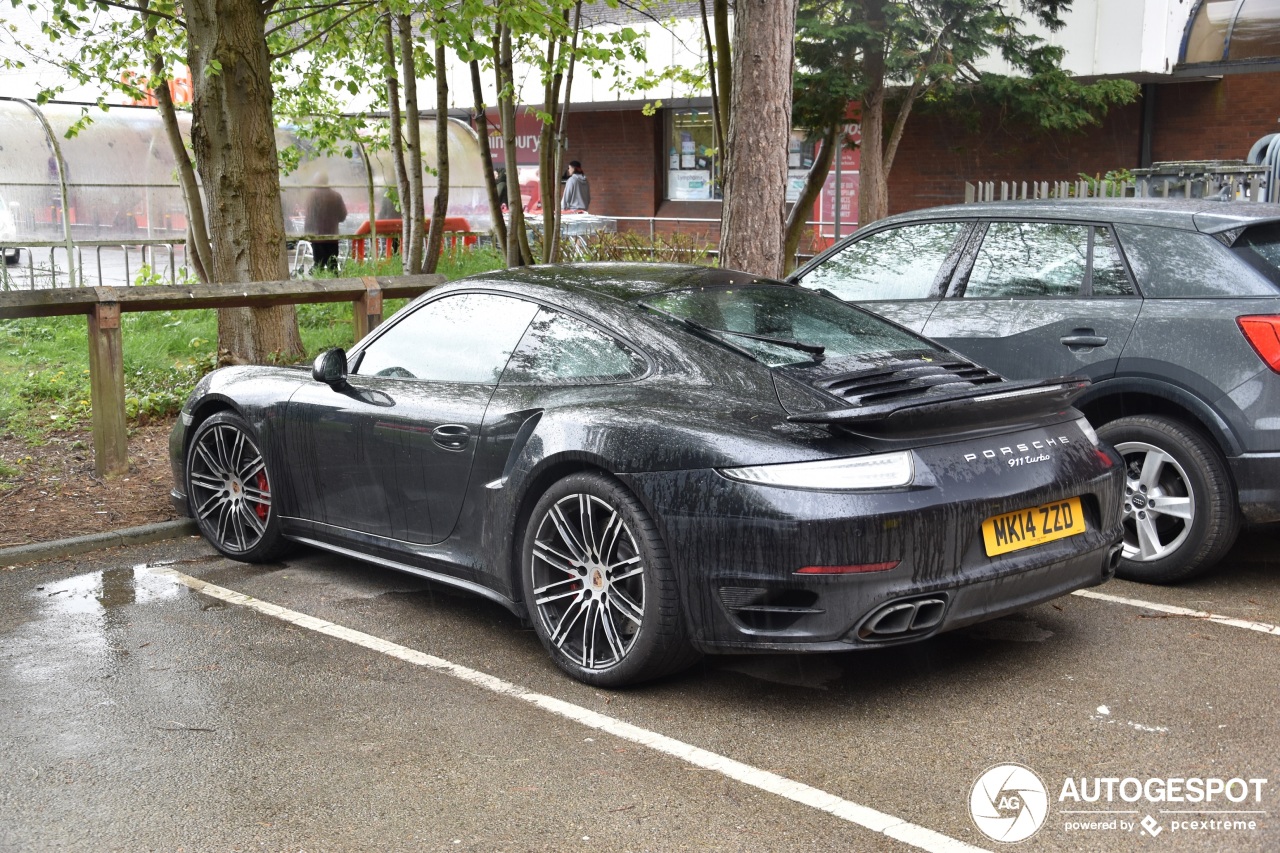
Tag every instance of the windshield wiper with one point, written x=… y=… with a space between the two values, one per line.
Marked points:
x=815 y=350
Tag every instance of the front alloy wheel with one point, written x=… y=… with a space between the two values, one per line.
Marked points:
x=229 y=490
x=599 y=587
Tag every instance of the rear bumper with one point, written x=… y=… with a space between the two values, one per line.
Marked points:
x=737 y=548
x=1257 y=477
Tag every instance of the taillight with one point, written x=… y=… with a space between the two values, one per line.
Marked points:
x=1263 y=334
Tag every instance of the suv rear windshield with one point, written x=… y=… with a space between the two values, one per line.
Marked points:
x=792 y=315
x=1260 y=246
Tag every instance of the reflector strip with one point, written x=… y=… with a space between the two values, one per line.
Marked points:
x=1263 y=334
x=848 y=570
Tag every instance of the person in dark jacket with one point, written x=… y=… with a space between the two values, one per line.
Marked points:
x=577 y=192
x=325 y=209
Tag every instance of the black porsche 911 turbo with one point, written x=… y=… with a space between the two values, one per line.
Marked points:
x=650 y=462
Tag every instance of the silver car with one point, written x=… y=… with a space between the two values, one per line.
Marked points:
x=1171 y=307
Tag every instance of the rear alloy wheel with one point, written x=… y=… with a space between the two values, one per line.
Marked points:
x=599 y=585
x=1180 y=516
x=229 y=490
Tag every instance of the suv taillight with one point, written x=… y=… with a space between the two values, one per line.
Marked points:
x=1263 y=334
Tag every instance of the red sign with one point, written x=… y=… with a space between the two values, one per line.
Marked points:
x=528 y=136
x=846 y=189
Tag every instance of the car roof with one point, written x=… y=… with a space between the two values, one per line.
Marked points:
x=623 y=281
x=1196 y=214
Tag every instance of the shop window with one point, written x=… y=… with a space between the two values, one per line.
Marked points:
x=693 y=164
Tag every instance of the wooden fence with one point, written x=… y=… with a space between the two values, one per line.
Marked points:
x=103 y=306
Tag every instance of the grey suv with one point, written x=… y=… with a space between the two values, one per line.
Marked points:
x=1171 y=307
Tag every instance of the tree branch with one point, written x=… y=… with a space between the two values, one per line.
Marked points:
x=316 y=10
x=134 y=8
x=318 y=36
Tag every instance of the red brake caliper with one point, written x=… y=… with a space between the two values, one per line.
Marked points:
x=263 y=509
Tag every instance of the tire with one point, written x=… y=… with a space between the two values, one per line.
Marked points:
x=229 y=490
x=599 y=586
x=1180 y=507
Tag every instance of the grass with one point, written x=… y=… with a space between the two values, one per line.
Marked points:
x=44 y=363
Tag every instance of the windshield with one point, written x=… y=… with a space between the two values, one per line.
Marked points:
x=787 y=315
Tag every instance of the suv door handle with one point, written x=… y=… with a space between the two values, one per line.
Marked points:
x=1089 y=340
x=451 y=436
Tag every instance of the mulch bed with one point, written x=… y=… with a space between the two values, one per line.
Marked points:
x=56 y=493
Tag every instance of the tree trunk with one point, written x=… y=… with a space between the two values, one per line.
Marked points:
x=832 y=142
x=412 y=252
x=233 y=136
x=486 y=157
x=199 y=254
x=397 y=134
x=751 y=233
x=724 y=69
x=561 y=120
x=548 y=177
x=717 y=126
x=440 y=206
x=518 y=253
x=873 y=183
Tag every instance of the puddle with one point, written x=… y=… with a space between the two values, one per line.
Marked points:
x=99 y=592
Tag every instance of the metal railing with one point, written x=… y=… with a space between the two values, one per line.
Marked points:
x=110 y=262
x=1229 y=179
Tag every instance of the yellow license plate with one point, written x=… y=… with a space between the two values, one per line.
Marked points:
x=1026 y=528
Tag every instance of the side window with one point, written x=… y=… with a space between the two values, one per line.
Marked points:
x=898 y=263
x=463 y=338
x=559 y=349
x=1030 y=259
x=1109 y=276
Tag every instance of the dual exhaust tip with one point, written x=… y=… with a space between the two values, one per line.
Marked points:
x=901 y=619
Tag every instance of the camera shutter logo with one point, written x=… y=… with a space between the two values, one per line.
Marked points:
x=1009 y=803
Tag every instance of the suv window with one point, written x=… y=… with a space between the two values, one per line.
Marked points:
x=1109 y=276
x=559 y=349
x=463 y=338
x=897 y=263
x=1260 y=247
x=1171 y=263
x=1030 y=259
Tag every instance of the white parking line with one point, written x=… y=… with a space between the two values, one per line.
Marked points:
x=908 y=833
x=1260 y=627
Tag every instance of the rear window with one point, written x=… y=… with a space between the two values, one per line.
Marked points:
x=1260 y=248
x=1173 y=264
x=780 y=316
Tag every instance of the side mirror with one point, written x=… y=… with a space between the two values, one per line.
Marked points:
x=330 y=367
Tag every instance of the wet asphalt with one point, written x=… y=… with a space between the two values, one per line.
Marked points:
x=138 y=714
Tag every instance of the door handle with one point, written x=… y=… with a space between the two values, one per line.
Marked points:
x=1084 y=340
x=451 y=436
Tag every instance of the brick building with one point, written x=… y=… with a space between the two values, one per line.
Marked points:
x=1209 y=72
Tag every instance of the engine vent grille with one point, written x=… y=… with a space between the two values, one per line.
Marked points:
x=905 y=379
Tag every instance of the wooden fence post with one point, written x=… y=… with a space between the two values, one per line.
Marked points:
x=106 y=381
x=367 y=310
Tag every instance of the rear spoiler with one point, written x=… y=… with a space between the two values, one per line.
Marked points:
x=1008 y=402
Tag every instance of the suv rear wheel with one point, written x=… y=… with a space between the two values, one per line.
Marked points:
x=1180 y=510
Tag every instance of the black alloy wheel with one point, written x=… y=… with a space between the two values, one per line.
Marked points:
x=229 y=490
x=599 y=585
x=1180 y=516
